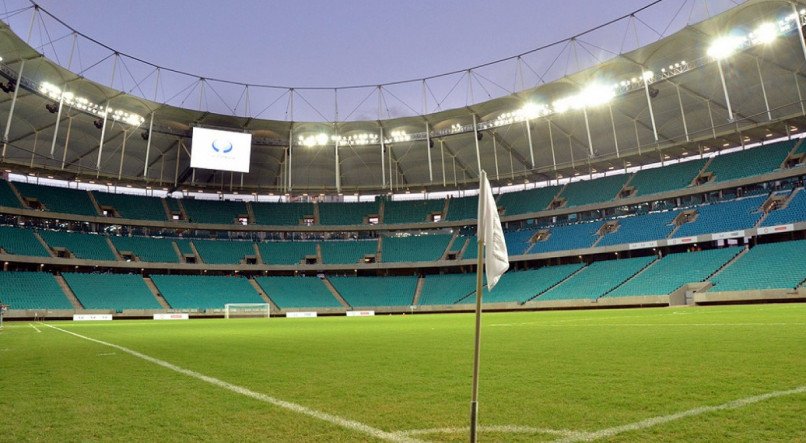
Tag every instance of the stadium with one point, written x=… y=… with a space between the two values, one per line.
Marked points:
x=651 y=197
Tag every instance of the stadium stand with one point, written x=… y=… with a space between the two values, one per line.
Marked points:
x=19 y=241
x=224 y=252
x=668 y=178
x=214 y=211
x=184 y=246
x=586 y=192
x=135 y=207
x=472 y=249
x=204 y=292
x=463 y=208
x=346 y=213
x=286 y=253
x=285 y=214
x=415 y=248
x=596 y=279
x=766 y=266
x=298 y=292
x=724 y=217
x=521 y=286
x=7 y=196
x=61 y=200
x=111 y=291
x=362 y=292
x=518 y=241
x=795 y=211
x=147 y=249
x=673 y=271
x=640 y=228
x=750 y=162
x=348 y=251
x=411 y=211
x=86 y=246
x=528 y=201
x=446 y=289
x=32 y=290
x=566 y=237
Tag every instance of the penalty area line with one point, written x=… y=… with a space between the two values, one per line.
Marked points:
x=654 y=421
x=293 y=407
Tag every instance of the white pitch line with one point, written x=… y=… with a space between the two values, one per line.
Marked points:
x=35 y=328
x=503 y=429
x=294 y=407
x=654 y=421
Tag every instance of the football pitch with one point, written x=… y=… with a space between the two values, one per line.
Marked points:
x=724 y=373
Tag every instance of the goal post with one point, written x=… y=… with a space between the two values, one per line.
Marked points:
x=242 y=310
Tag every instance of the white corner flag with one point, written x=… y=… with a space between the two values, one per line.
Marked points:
x=491 y=234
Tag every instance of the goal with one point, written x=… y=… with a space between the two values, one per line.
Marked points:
x=241 y=310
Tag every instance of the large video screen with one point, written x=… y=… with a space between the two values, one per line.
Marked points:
x=220 y=150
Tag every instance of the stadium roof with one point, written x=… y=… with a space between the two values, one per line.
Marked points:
x=683 y=94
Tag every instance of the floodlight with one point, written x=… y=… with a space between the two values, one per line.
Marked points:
x=321 y=139
x=595 y=95
x=765 y=33
x=724 y=47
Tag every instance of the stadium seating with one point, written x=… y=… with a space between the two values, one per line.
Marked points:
x=472 y=249
x=298 y=292
x=794 y=212
x=111 y=291
x=19 y=241
x=415 y=248
x=596 y=279
x=285 y=214
x=766 y=266
x=528 y=201
x=668 y=178
x=518 y=241
x=446 y=289
x=673 y=271
x=363 y=292
x=224 y=252
x=520 y=286
x=586 y=192
x=135 y=207
x=286 y=253
x=724 y=217
x=214 y=211
x=7 y=196
x=147 y=249
x=566 y=237
x=61 y=200
x=184 y=246
x=750 y=162
x=86 y=246
x=348 y=251
x=463 y=208
x=411 y=211
x=204 y=292
x=346 y=213
x=32 y=290
x=640 y=228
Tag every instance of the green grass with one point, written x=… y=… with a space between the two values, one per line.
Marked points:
x=572 y=370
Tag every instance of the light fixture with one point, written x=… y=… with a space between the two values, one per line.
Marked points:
x=724 y=47
x=765 y=33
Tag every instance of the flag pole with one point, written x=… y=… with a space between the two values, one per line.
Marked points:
x=474 y=398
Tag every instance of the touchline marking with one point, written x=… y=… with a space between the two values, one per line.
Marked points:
x=503 y=429
x=654 y=421
x=35 y=328
x=294 y=407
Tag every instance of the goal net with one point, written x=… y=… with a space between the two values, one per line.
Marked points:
x=241 y=310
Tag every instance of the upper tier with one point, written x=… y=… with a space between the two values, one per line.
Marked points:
x=690 y=177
